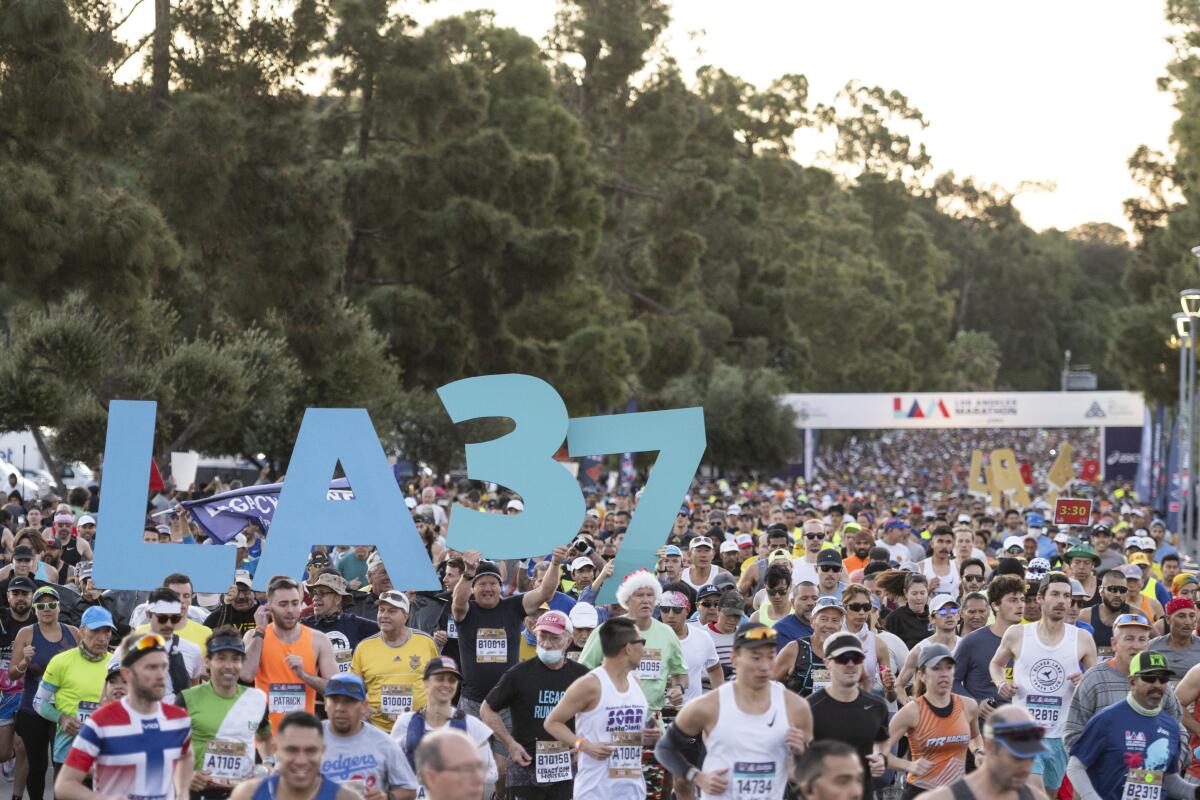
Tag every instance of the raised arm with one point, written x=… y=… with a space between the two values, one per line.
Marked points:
x=534 y=598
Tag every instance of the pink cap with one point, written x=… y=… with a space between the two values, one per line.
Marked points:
x=555 y=622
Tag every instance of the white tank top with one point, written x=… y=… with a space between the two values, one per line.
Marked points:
x=871 y=652
x=947 y=584
x=1040 y=675
x=687 y=573
x=752 y=747
x=618 y=719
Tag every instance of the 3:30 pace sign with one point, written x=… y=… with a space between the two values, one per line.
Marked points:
x=522 y=460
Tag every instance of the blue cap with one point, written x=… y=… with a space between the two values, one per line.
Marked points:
x=97 y=617
x=707 y=590
x=1035 y=521
x=346 y=684
x=672 y=550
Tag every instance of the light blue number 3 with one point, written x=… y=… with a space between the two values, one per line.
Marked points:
x=522 y=461
x=678 y=436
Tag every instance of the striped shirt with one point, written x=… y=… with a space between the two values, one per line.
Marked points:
x=134 y=755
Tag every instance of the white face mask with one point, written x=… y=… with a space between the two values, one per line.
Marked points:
x=549 y=657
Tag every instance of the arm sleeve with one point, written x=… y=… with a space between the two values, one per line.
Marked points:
x=1080 y=782
x=669 y=750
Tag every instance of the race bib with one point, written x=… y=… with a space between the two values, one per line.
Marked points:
x=626 y=758
x=395 y=699
x=552 y=762
x=286 y=698
x=753 y=780
x=1143 y=784
x=491 y=646
x=821 y=678
x=1045 y=709
x=343 y=658
x=451 y=628
x=650 y=668
x=86 y=707
x=226 y=762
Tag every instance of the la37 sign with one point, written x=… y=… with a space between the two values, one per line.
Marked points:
x=522 y=460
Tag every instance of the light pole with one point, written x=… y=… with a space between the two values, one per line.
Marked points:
x=1183 y=440
x=1189 y=299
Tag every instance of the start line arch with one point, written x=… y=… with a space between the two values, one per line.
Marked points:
x=1120 y=416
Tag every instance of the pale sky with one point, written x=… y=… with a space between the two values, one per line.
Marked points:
x=1053 y=90
x=1057 y=91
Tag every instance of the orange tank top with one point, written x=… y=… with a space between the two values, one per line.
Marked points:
x=943 y=741
x=285 y=691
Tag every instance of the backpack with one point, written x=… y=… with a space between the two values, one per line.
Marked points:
x=416 y=732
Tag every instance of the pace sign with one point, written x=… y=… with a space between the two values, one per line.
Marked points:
x=522 y=460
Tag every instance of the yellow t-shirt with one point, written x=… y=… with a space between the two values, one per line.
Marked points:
x=394 y=675
x=195 y=632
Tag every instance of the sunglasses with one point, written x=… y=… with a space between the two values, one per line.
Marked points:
x=1076 y=604
x=670 y=610
x=636 y=641
x=759 y=635
x=777 y=592
x=829 y=568
x=849 y=658
x=973 y=578
x=163 y=619
x=858 y=607
x=814 y=536
x=711 y=604
x=947 y=611
x=1163 y=679
x=46 y=606
x=1117 y=589
x=150 y=641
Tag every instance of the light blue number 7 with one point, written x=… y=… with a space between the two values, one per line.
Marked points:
x=678 y=436
x=522 y=460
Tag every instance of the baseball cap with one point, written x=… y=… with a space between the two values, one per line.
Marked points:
x=581 y=562
x=779 y=555
x=86 y=519
x=42 y=591
x=672 y=550
x=828 y=557
x=744 y=540
x=934 y=653
x=346 y=684
x=515 y=505
x=439 y=665
x=1014 y=541
x=1150 y=661
x=225 y=641
x=754 y=634
x=555 y=622
x=700 y=541
x=396 y=599
x=22 y=551
x=827 y=602
x=674 y=600
x=1077 y=589
x=732 y=603
x=1140 y=558
x=336 y=583
x=97 y=617
x=1062 y=538
x=244 y=578
x=21 y=584
x=1035 y=521
x=1130 y=570
x=584 y=615
x=842 y=643
x=1131 y=621
x=964 y=518
x=1022 y=739
x=729 y=546
x=707 y=590
x=941 y=600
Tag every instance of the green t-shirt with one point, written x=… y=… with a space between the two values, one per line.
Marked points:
x=663 y=658
x=229 y=720
x=73 y=680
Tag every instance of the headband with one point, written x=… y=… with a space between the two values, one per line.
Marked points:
x=165 y=607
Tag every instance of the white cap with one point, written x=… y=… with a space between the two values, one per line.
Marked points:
x=515 y=504
x=1062 y=538
x=964 y=518
x=584 y=615
x=733 y=511
x=1014 y=541
x=582 y=561
x=243 y=576
x=940 y=600
x=593 y=513
x=411 y=502
x=86 y=519
x=1077 y=589
x=238 y=541
x=729 y=546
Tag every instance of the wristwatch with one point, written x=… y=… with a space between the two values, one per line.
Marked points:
x=691 y=774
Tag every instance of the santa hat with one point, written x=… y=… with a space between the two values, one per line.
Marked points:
x=642 y=579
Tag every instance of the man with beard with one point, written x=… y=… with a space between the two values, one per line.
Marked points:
x=139 y=746
x=344 y=630
x=1046 y=660
x=20 y=614
x=1132 y=745
x=860 y=543
x=539 y=768
x=185 y=658
x=939 y=568
x=285 y=659
x=356 y=752
x=237 y=606
x=730 y=560
x=227 y=719
x=1113 y=594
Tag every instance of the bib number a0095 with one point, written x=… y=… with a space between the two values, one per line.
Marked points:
x=1143 y=784
x=650 y=667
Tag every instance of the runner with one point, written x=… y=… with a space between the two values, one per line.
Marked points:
x=801 y=664
x=392 y=662
x=939 y=726
x=746 y=751
x=1131 y=749
x=939 y=568
x=699 y=652
x=299 y=745
x=829 y=771
x=799 y=624
x=612 y=718
x=584 y=618
x=805 y=567
x=975 y=613
x=33 y=648
x=357 y=753
x=138 y=747
x=450 y=767
x=442 y=680
x=702 y=571
x=1006 y=596
x=1181 y=645
x=190 y=626
x=944 y=609
x=1011 y=741
x=1113 y=594
x=843 y=712
x=228 y=719
x=237 y=606
x=19 y=614
x=1083 y=563
x=539 y=767
x=856 y=600
x=778 y=590
x=73 y=682
x=185 y=657
x=1046 y=667
x=911 y=621
x=284 y=659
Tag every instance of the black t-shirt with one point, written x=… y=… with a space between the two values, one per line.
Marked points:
x=532 y=690
x=8 y=632
x=508 y=616
x=228 y=615
x=911 y=627
x=859 y=724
